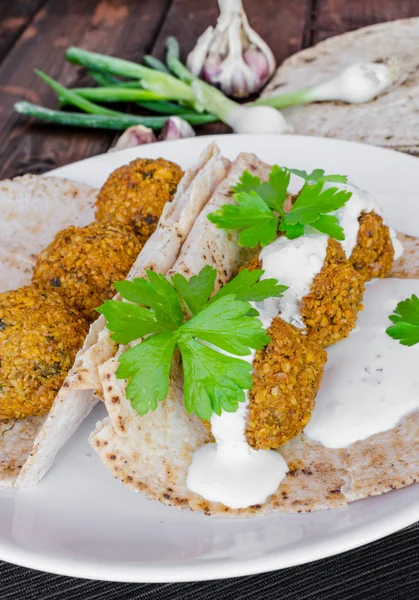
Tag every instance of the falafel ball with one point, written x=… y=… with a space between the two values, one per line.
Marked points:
x=81 y=264
x=135 y=194
x=373 y=255
x=286 y=377
x=39 y=339
x=331 y=308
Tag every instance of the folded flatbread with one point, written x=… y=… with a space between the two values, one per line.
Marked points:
x=29 y=446
x=152 y=453
x=390 y=120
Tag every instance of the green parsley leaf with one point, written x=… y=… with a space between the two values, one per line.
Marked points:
x=319 y=174
x=197 y=290
x=158 y=294
x=224 y=324
x=310 y=208
x=273 y=193
x=129 y=322
x=406 y=322
x=148 y=367
x=246 y=286
x=329 y=224
x=212 y=381
x=251 y=215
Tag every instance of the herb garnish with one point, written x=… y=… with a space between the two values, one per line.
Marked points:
x=213 y=381
x=406 y=322
x=259 y=213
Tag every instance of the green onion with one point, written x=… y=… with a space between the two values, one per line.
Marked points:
x=167 y=108
x=120 y=122
x=174 y=62
x=72 y=98
x=162 y=83
x=104 y=78
x=116 y=94
x=155 y=63
x=103 y=121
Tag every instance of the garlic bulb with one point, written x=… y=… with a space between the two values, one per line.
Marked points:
x=232 y=56
x=137 y=135
x=176 y=128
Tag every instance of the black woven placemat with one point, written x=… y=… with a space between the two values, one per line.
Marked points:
x=387 y=569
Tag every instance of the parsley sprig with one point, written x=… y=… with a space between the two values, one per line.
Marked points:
x=406 y=322
x=226 y=323
x=259 y=213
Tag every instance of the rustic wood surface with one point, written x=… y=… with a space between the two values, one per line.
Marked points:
x=35 y=33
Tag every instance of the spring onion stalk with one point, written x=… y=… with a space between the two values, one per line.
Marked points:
x=167 y=108
x=115 y=121
x=174 y=63
x=168 y=86
x=231 y=55
x=155 y=63
x=70 y=97
x=242 y=119
x=119 y=122
x=104 y=78
x=358 y=83
x=116 y=94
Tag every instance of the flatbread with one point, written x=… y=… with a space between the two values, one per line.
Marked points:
x=76 y=398
x=152 y=453
x=33 y=209
x=391 y=120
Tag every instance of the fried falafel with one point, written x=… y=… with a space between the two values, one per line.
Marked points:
x=82 y=263
x=330 y=310
x=373 y=255
x=286 y=377
x=39 y=339
x=135 y=194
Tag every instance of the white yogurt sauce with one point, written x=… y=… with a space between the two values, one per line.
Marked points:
x=371 y=381
x=360 y=201
x=294 y=263
x=230 y=471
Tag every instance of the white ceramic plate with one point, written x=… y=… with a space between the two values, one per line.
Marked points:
x=79 y=521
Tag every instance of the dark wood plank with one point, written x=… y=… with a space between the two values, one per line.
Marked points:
x=282 y=24
x=337 y=16
x=14 y=17
x=126 y=28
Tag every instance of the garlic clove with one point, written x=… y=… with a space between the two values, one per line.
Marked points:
x=232 y=56
x=176 y=128
x=137 y=135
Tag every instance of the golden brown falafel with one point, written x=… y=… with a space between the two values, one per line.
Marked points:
x=373 y=255
x=81 y=264
x=135 y=194
x=331 y=308
x=286 y=377
x=39 y=339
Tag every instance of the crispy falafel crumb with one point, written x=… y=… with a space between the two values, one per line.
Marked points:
x=286 y=378
x=82 y=263
x=39 y=339
x=331 y=308
x=373 y=255
x=135 y=194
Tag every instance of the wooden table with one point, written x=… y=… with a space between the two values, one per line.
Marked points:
x=35 y=33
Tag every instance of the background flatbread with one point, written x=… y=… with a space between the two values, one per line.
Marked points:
x=390 y=120
x=33 y=209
